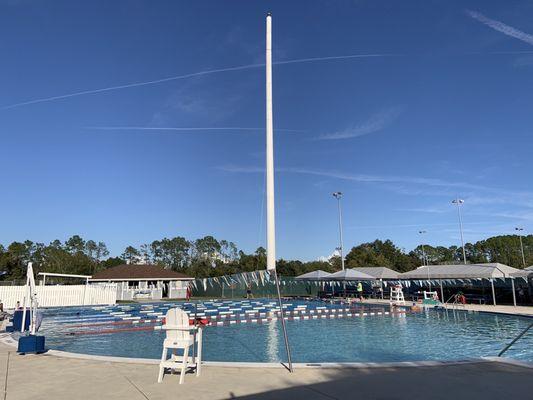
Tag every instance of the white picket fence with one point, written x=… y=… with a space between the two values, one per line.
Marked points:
x=59 y=295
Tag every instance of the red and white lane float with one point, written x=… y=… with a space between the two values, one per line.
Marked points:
x=225 y=319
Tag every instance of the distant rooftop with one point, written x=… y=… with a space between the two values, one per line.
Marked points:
x=126 y=272
x=523 y=273
x=461 y=271
x=379 y=272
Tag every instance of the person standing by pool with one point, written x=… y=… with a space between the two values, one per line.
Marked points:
x=360 y=290
x=249 y=294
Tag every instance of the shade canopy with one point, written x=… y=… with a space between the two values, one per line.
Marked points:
x=350 y=275
x=463 y=271
x=379 y=272
x=317 y=275
x=523 y=273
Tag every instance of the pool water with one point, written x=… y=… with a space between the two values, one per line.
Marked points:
x=364 y=333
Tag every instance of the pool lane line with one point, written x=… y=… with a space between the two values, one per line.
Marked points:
x=108 y=331
x=302 y=313
x=128 y=322
x=74 y=321
x=239 y=317
x=227 y=317
x=232 y=322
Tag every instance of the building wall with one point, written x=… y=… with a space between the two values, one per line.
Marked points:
x=150 y=290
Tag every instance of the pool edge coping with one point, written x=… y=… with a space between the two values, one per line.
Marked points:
x=7 y=339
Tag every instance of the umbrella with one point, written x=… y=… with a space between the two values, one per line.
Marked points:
x=350 y=275
x=317 y=275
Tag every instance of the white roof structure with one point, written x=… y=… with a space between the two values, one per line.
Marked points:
x=523 y=273
x=350 y=275
x=461 y=271
x=379 y=272
x=317 y=275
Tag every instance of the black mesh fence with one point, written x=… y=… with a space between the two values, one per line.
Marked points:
x=256 y=284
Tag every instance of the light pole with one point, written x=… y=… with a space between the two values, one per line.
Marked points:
x=271 y=218
x=459 y=202
x=519 y=230
x=338 y=196
x=424 y=259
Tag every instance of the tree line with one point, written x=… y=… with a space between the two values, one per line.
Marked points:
x=504 y=249
x=208 y=257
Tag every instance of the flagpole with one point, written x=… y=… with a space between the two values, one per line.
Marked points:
x=271 y=223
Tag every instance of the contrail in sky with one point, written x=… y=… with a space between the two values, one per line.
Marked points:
x=376 y=123
x=130 y=85
x=422 y=224
x=184 y=129
x=304 y=60
x=501 y=27
x=190 y=75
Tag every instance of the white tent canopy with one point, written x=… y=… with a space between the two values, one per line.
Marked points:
x=523 y=273
x=379 y=272
x=462 y=271
x=317 y=275
x=350 y=275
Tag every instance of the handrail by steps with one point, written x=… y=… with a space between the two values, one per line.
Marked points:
x=515 y=340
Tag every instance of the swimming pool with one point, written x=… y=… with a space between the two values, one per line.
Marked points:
x=318 y=332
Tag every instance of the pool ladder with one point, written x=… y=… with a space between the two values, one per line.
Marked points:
x=456 y=304
x=515 y=340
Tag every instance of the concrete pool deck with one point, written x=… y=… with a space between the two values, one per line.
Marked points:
x=51 y=377
x=525 y=311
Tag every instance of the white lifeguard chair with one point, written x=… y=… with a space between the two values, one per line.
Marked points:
x=396 y=296
x=180 y=335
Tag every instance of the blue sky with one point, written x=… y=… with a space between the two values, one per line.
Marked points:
x=438 y=107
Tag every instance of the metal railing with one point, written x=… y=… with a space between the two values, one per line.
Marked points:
x=455 y=304
x=515 y=340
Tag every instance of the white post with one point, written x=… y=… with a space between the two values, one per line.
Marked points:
x=26 y=295
x=514 y=295
x=441 y=293
x=271 y=226
x=493 y=292
x=271 y=223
